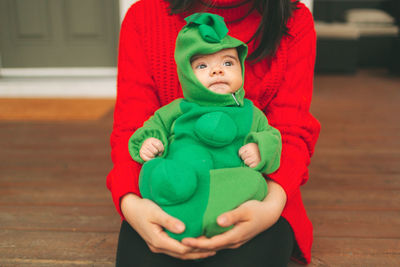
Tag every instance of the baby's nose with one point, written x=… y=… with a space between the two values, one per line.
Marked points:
x=217 y=71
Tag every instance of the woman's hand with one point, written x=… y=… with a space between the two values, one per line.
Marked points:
x=151 y=148
x=149 y=220
x=249 y=219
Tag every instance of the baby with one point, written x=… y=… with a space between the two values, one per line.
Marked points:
x=205 y=154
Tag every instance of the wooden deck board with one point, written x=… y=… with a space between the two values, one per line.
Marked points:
x=68 y=218
x=33 y=109
x=56 y=211
x=87 y=247
x=356 y=223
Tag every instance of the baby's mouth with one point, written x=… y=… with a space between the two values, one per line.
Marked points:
x=219 y=87
x=218 y=83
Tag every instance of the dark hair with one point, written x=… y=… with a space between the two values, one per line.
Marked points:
x=274 y=13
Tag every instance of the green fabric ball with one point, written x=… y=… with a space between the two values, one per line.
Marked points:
x=216 y=129
x=172 y=191
x=212 y=27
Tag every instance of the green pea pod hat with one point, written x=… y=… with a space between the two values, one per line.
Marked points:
x=205 y=33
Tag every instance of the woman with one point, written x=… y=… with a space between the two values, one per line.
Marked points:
x=279 y=76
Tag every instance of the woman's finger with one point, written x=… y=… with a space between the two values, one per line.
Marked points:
x=150 y=226
x=232 y=217
x=238 y=245
x=216 y=243
x=160 y=242
x=185 y=256
x=172 y=247
x=168 y=222
x=228 y=239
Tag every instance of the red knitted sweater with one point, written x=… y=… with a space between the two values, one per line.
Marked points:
x=281 y=87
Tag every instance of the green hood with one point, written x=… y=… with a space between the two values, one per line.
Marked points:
x=205 y=33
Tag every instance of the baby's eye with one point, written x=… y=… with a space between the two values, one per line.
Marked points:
x=228 y=63
x=201 y=66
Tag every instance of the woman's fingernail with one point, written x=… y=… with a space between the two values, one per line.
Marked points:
x=222 y=220
x=179 y=227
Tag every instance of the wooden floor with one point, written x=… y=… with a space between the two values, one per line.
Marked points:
x=56 y=211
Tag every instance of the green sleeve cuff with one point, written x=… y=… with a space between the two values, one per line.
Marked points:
x=159 y=126
x=270 y=145
x=137 y=139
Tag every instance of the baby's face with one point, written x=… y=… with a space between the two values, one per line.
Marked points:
x=220 y=72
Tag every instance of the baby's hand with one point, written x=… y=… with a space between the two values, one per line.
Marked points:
x=250 y=154
x=151 y=148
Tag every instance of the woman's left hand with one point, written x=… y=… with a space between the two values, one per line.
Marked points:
x=249 y=219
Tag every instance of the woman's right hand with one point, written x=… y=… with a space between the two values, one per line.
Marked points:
x=149 y=220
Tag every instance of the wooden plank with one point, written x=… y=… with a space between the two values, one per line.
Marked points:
x=55 y=173
x=362 y=163
x=357 y=246
x=53 y=109
x=66 y=193
x=343 y=181
x=356 y=223
x=58 y=173
x=351 y=199
x=102 y=219
x=36 y=246
x=350 y=260
x=43 y=160
x=30 y=167
x=356 y=252
x=48 y=137
x=8 y=262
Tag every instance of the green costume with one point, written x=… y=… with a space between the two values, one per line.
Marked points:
x=200 y=174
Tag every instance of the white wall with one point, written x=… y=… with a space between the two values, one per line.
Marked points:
x=123 y=7
x=309 y=4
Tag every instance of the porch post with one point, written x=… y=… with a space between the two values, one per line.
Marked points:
x=309 y=4
x=124 y=6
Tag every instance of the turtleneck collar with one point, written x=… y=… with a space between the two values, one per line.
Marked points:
x=231 y=10
x=225 y=3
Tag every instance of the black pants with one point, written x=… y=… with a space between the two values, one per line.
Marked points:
x=272 y=247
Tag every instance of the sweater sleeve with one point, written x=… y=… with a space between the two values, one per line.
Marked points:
x=289 y=110
x=136 y=101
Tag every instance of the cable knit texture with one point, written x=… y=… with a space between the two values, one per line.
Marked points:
x=281 y=87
